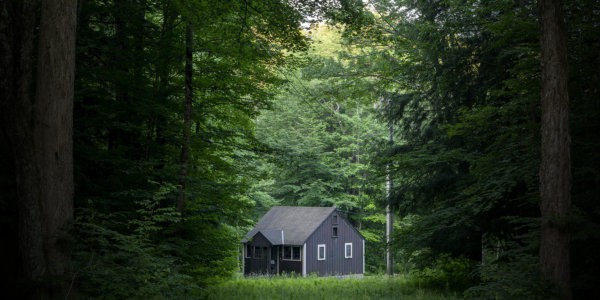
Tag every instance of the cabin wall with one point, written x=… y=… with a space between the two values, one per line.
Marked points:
x=290 y=267
x=335 y=262
x=262 y=264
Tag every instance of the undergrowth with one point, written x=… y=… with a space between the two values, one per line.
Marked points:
x=370 y=287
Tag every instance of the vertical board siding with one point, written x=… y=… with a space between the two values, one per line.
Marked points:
x=335 y=263
x=291 y=267
x=261 y=265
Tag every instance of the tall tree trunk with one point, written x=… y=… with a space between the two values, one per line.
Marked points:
x=163 y=69
x=389 y=212
x=187 y=118
x=555 y=168
x=116 y=136
x=18 y=126
x=53 y=112
x=39 y=128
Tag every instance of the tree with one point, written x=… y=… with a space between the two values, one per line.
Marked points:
x=555 y=166
x=321 y=133
x=140 y=131
x=38 y=125
x=187 y=117
x=461 y=77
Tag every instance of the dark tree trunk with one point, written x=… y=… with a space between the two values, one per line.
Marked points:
x=17 y=119
x=116 y=136
x=163 y=68
x=39 y=129
x=555 y=168
x=187 y=118
x=53 y=111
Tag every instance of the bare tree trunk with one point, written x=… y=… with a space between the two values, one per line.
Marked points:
x=555 y=168
x=187 y=118
x=39 y=128
x=389 y=213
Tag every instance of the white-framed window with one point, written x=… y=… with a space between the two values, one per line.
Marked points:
x=348 y=250
x=248 y=251
x=321 y=252
x=292 y=253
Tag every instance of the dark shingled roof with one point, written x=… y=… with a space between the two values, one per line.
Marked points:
x=297 y=223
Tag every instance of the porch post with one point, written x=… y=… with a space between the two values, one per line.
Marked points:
x=277 y=259
x=304 y=260
x=243 y=258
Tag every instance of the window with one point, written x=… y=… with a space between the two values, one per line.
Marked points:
x=348 y=250
x=335 y=217
x=296 y=253
x=248 y=250
x=321 y=252
x=292 y=252
x=335 y=231
x=258 y=252
x=287 y=252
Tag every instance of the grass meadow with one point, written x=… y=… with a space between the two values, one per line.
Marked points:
x=369 y=287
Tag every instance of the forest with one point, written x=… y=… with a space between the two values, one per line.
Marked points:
x=142 y=139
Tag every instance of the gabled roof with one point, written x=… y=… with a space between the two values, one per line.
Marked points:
x=296 y=222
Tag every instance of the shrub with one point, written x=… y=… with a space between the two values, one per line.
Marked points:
x=518 y=278
x=446 y=274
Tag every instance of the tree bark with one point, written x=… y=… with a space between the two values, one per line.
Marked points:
x=555 y=167
x=17 y=120
x=53 y=132
x=38 y=123
x=187 y=118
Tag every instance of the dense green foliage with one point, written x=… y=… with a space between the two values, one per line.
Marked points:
x=323 y=133
x=285 y=116
x=462 y=78
x=459 y=81
x=129 y=134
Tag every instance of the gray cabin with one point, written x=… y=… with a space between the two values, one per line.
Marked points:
x=304 y=240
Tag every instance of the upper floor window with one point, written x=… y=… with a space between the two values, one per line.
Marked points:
x=348 y=250
x=335 y=219
x=335 y=231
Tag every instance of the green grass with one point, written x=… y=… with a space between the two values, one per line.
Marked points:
x=370 y=287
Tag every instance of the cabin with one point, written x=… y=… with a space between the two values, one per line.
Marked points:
x=304 y=240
